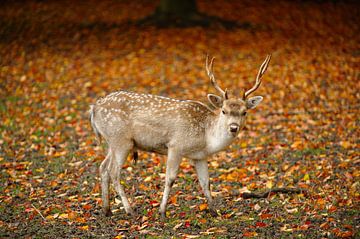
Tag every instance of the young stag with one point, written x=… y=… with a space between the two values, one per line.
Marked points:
x=179 y=128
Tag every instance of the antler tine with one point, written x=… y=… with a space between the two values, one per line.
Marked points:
x=261 y=72
x=209 y=71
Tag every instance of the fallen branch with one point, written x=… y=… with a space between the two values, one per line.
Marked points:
x=37 y=210
x=274 y=190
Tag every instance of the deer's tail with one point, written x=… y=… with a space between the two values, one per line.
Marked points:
x=93 y=125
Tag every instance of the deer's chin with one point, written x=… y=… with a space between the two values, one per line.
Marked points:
x=234 y=134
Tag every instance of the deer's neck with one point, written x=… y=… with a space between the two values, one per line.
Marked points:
x=217 y=136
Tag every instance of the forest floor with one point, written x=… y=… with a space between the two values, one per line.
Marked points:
x=58 y=57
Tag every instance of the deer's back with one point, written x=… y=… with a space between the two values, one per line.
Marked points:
x=152 y=122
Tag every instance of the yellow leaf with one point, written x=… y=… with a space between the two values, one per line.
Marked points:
x=119 y=237
x=85 y=228
x=269 y=184
x=64 y=215
x=285 y=228
x=148 y=179
x=214 y=164
x=39 y=170
x=345 y=144
x=306 y=177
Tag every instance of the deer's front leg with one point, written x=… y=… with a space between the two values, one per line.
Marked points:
x=172 y=168
x=202 y=171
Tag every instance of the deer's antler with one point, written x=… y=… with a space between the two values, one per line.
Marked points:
x=261 y=72
x=210 y=73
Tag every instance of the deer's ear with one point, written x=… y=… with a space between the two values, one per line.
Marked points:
x=252 y=102
x=215 y=100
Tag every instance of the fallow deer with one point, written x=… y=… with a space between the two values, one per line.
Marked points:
x=179 y=128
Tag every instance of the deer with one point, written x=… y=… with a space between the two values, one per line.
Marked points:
x=130 y=121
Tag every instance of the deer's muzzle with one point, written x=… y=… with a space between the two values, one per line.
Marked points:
x=234 y=128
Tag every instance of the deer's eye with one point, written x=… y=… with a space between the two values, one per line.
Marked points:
x=223 y=111
x=244 y=113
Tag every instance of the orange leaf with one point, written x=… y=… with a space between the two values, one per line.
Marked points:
x=143 y=187
x=87 y=206
x=347 y=226
x=297 y=145
x=80 y=220
x=265 y=216
x=173 y=200
x=324 y=225
x=332 y=208
x=203 y=206
x=53 y=184
x=202 y=220
x=346 y=234
x=260 y=224
x=250 y=234
x=72 y=215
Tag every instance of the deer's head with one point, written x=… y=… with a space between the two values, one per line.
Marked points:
x=232 y=111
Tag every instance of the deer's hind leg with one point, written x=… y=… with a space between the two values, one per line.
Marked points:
x=119 y=155
x=172 y=168
x=105 y=178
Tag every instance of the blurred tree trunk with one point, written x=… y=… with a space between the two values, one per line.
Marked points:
x=180 y=8
x=182 y=13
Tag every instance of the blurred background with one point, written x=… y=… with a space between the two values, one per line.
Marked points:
x=99 y=46
x=57 y=57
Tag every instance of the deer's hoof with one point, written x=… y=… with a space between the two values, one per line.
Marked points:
x=107 y=212
x=132 y=213
x=213 y=212
x=163 y=216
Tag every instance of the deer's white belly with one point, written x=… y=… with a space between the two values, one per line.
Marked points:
x=146 y=137
x=197 y=155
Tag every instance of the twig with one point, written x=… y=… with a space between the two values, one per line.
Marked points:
x=313 y=112
x=274 y=190
x=37 y=210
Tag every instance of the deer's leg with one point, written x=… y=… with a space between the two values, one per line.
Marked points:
x=118 y=158
x=172 y=168
x=105 y=178
x=202 y=171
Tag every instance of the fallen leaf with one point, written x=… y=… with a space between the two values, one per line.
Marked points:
x=203 y=206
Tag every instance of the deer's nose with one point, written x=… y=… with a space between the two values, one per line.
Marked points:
x=234 y=128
